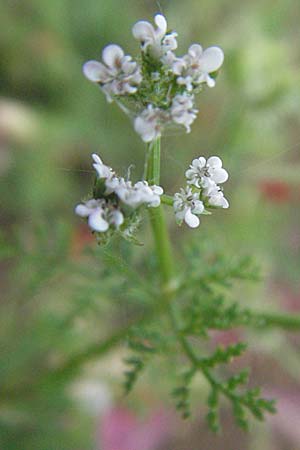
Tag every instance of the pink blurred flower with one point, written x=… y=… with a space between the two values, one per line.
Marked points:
x=121 y=429
x=226 y=337
x=286 y=422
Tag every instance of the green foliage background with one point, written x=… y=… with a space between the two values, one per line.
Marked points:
x=55 y=303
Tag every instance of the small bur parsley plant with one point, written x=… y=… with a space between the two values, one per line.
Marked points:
x=157 y=91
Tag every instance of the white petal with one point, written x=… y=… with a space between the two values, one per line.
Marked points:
x=219 y=176
x=210 y=81
x=198 y=207
x=117 y=218
x=190 y=173
x=212 y=59
x=161 y=22
x=178 y=66
x=215 y=162
x=112 y=54
x=96 y=221
x=158 y=190
x=225 y=203
x=195 y=50
x=155 y=202
x=180 y=215
x=191 y=220
x=96 y=71
x=82 y=210
x=102 y=170
x=143 y=31
x=199 y=162
x=146 y=131
x=128 y=67
x=97 y=158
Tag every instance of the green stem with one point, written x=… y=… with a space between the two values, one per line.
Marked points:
x=164 y=252
x=167 y=199
x=277 y=320
x=157 y=219
x=152 y=165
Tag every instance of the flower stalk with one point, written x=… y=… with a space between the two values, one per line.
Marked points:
x=157 y=219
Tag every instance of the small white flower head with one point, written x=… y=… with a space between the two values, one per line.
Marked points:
x=169 y=42
x=100 y=215
x=194 y=68
x=150 y=123
x=183 y=111
x=155 y=39
x=119 y=75
x=188 y=207
x=102 y=170
x=200 y=170
x=138 y=194
x=213 y=194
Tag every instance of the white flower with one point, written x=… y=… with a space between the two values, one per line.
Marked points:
x=169 y=42
x=214 y=195
x=195 y=67
x=112 y=184
x=169 y=58
x=187 y=207
x=156 y=40
x=100 y=215
x=200 y=170
x=119 y=75
x=150 y=194
x=149 y=124
x=102 y=170
x=138 y=194
x=182 y=110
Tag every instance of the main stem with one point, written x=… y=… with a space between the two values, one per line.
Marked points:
x=161 y=237
x=164 y=250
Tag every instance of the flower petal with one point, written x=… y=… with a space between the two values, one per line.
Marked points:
x=219 y=176
x=190 y=173
x=145 y=130
x=112 y=54
x=102 y=170
x=117 y=218
x=180 y=214
x=198 y=207
x=212 y=59
x=195 y=50
x=161 y=22
x=191 y=220
x=158 y=190
x=96 y=72
x=143 y=31
x=210 y=81
x=215 y=162
x=225 y=203
x=82 y=210
x=96 y=221
x=97 y=158
x=199 y=162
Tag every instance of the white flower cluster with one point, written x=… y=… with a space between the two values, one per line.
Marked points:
x=100 y=214
x=152 y=121
x=116 y=193
x=157 y=41
x=194 y=67
x=175 y=78
x=202 y=191
x=119 y=75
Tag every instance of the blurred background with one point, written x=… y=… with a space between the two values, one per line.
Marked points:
x=53 y=300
